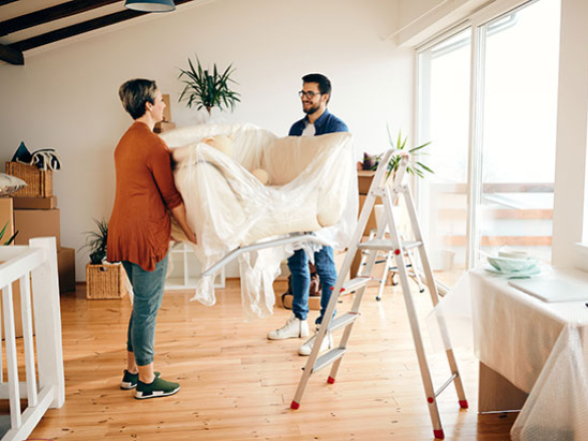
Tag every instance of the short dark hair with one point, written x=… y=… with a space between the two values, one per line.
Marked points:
x=323 y=82
x=134 y=94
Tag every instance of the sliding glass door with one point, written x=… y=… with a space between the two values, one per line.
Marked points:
x=518 y=129
x=487 y=100
x=444 y=101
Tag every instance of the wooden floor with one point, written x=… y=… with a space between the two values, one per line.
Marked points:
x=237 y=385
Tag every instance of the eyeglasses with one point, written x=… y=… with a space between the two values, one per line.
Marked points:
x=310 y=94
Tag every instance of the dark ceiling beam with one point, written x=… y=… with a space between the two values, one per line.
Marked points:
x=11 y=55
x=80 y=28
x=5 y=2
x=49 y=14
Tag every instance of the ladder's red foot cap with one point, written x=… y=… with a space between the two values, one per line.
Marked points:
x=430 y=400
x=330 y=380
x=397 y=252
x=463 y=404
x=295 y=405
x=332 y=288
x=439 y=434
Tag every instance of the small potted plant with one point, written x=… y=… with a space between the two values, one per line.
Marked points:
x=207 y=89
x=418 y=169
x=103 y=280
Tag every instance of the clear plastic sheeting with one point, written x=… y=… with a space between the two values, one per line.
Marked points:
x=558 y=410
x=540 y=347
x=312 y=187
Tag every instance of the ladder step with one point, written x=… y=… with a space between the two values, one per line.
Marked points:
x=447 y=383
x=386 y=245
x=343 y=320
x=410 y=244
x=355 y=283
x=377 y=244
x=330 y=357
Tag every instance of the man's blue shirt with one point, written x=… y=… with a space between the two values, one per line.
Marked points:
x=326 y=123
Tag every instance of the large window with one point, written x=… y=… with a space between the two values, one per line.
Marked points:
x=444 y=79
x=493 y=152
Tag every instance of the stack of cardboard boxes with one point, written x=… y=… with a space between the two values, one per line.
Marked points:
x=38 y=216
x=166 y=124
x=365 y=178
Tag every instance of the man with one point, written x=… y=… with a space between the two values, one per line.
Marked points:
x=315 y=95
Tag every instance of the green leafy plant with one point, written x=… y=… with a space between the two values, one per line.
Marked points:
x=206 y=89
x=96 y=242
x=11 y=239
x=418 y=169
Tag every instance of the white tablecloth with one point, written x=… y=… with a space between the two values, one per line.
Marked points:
x=542 y=348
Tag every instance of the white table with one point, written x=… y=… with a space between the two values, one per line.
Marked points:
x=541 y=348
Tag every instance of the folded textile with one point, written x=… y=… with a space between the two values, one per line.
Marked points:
x=43 y=158
x=22 y=154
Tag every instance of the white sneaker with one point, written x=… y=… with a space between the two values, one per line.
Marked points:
x=306 y=348
x=294 y=328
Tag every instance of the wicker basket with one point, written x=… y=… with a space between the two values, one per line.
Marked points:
x=106 y=281
x=39 y=182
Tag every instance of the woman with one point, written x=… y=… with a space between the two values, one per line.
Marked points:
x=139 y=229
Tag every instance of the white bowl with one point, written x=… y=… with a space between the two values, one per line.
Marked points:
x=513 y=254
x=509 y=265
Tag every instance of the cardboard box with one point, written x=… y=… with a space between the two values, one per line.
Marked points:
x=364 y=180
x=35 y=203
x=314 y=302
x=371 y=224
x=66 y=266
x=167 y=110
x=37 y=223
x=6 y=215
x=163 y=126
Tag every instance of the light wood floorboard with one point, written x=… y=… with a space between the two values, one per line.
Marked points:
x=237 y=385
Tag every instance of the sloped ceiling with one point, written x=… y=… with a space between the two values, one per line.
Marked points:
x=28 y=24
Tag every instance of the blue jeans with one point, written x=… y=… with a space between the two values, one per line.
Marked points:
x=325 y=268
x=148 y=289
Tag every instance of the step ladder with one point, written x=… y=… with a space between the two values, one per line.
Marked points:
x=387 y=258
x=383 y=189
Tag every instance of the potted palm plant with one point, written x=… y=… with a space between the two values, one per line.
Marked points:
x=103 y=280
x=417 y=169
x=207 y=89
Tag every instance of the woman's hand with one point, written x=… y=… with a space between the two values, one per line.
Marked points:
x=191 y=236
x=179 y=214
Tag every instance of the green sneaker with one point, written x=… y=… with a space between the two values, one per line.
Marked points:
x=129 y=381
x=159 y=388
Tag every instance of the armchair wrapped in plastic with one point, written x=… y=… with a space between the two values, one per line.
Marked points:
x=312 y=187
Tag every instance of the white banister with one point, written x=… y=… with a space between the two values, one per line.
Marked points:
x=48 y=321
x=29 y=347
x=11 y=360
x=37 y=262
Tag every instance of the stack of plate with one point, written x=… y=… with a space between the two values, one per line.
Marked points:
x=514 y=264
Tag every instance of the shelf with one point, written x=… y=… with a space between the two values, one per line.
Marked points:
x=184 y=267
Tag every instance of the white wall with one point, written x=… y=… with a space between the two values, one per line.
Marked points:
x=65 y=96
